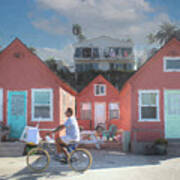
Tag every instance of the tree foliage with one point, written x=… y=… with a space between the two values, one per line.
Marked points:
x=77 y=31
x=164 y=34
x=32 y=49
x=51 y=63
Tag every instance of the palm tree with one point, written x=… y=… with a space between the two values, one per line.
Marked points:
x=165 y=33
x=77 y=31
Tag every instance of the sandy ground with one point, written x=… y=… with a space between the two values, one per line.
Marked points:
x=107 y=165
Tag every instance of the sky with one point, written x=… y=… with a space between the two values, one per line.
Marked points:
x=47 y=24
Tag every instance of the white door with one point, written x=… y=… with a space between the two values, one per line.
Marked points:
x=100 y=113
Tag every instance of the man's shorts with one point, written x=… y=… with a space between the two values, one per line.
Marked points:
x=67 y=139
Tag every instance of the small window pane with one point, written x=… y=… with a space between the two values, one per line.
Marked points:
x=113 y=106
x=17 y=105
x=86 y=106
x=78 y=52
x=86 y=113
x=173 y=64
x=42 y=112
x=114 y=110
x=86 y=52
x=95 y=52
x=149 y=98
x=42 y=97
x=97 y=90
x=102 y=89
x=148 y=112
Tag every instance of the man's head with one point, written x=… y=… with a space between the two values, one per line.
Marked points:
x=69 y=112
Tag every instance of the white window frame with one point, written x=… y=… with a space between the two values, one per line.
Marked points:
x=51 y=104
x=140 y=105
x=118 y=109
x=101 y=94
x=165 y=62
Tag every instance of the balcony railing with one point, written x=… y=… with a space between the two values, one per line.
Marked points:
x=102 y=57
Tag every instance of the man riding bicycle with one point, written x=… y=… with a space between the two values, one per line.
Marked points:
x=72 y=134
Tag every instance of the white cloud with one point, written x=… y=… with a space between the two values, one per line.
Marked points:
x=52 y=25
x=65 y=54
x=117 y=18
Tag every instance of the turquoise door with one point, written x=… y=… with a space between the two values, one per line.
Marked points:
x=172 y=114
x=17 y=110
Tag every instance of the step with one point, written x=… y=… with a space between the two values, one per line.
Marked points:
x=173 y=147
x=106 y=146
x=11 y=149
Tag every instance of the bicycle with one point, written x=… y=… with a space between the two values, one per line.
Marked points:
x=38 y=159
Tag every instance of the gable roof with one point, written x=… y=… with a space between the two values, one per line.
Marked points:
x=64 y=85
x=106 y=40
x=116 y=78
x=151 y=59
x=100 y=77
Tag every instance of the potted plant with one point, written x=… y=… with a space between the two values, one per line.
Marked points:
x=160 y=146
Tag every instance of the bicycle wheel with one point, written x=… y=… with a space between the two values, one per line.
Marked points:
x=80 y=160
x=38 y=159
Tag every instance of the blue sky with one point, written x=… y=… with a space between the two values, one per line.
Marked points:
x=46 y=24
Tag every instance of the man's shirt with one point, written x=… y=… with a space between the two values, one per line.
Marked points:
x=72 y=128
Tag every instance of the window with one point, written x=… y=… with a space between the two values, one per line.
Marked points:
x=86 y=111
x=129 y=66
x=79 y=67
x=95 y=66
x=172 y=64
x=100 y=90
x=42 y=105
x=126 y=52
x=95 y=53
x=114 y=111
x=149 y=105
x=78 y=52
x=86 y=52
x=111 y=52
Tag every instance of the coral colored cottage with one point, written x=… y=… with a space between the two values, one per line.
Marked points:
x=30 y=92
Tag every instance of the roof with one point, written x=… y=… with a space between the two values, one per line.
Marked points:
x=151 y=58
x=116 y=78
x=57 y=79
x=101 y=77
x=102 y=41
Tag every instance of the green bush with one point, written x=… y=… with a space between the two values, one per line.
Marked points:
x=161 y=141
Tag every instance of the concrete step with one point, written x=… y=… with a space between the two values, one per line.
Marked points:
x=11 y=149
x=105 y=146
x=173 y=147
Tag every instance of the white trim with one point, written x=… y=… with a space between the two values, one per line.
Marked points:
x=1 y=105
x=51 y=104
x=101 y=94
x=157 y=105
x=165 y=61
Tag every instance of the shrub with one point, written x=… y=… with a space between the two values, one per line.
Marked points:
x=161 y=141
